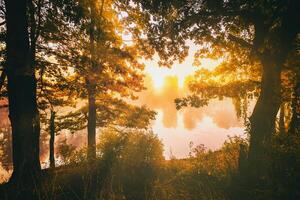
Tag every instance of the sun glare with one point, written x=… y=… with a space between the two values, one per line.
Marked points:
x=181 y=71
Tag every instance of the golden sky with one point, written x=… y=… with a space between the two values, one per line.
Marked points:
x=209 y=125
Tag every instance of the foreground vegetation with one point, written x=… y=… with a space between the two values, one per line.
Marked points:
x=130 y=165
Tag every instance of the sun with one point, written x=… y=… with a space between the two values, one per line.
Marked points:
x=181 y=71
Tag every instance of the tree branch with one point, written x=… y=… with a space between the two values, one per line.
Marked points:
x=240 y=41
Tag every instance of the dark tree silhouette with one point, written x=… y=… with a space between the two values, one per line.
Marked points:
x=23 y=112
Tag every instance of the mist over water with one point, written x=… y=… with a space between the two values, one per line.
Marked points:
x=178 y=129
x=209 y=125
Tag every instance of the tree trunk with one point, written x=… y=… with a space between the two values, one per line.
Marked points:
x=91 y=122
x=23 y=112
x=91 y=87
x=242 y=161
x=263 y=117
x=52 y=140
x=281 y=120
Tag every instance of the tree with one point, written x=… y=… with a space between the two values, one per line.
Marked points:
x=23 y=111
x=27 y=40
x=50 y=22
x=266 y=30
x=101 y=62
x=53 y=96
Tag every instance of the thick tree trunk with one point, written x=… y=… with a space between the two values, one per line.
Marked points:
x=91 y=122
x=52 y=140
x=23 y=112
x=264 y=116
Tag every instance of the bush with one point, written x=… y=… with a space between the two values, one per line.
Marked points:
x=133 y=160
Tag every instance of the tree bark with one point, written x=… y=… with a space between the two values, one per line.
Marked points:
x=262 y=120
x=91 y=122
x=242 y=161
x=281 y=120
x=23 y=112
x=52 y=140
x=91 y=87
